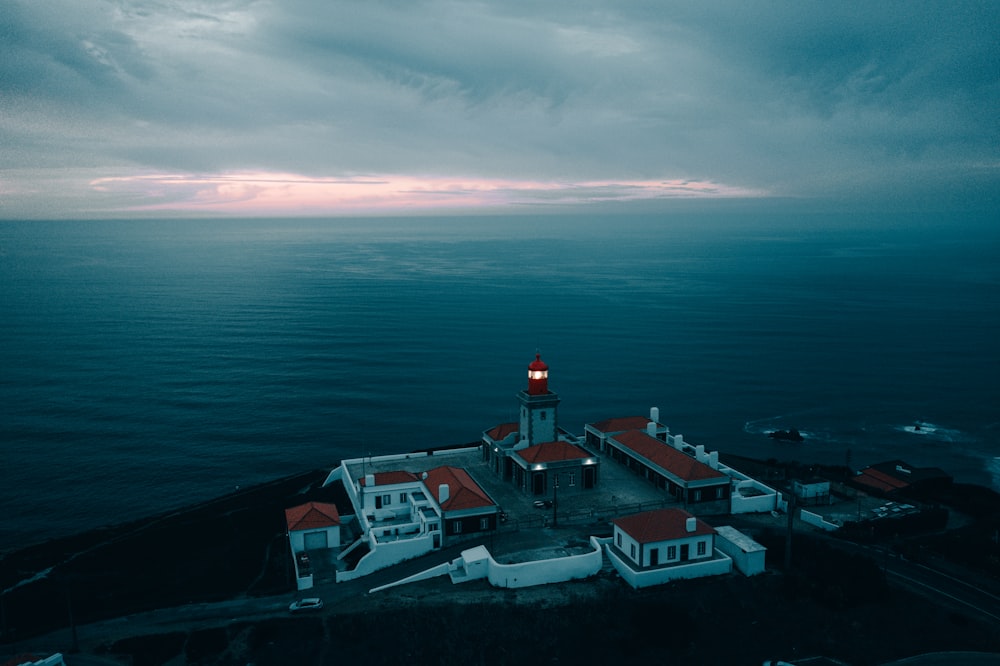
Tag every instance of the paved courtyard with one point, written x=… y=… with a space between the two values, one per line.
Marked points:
x=618 y=491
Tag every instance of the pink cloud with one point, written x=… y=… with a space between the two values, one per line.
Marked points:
x=265 y=193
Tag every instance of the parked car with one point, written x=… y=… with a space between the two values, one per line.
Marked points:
x=303 y=605
x=543 y=504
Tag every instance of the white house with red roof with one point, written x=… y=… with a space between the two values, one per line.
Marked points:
x=311 y=526
x=401 y=514
x=654 y=547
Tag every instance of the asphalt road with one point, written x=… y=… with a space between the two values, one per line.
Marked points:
x=967 y=595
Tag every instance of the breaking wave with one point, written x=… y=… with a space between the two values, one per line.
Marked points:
x=932 y=431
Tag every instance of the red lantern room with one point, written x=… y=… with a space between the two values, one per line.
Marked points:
x=538 y=376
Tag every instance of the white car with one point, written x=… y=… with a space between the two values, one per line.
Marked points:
x=303 y=605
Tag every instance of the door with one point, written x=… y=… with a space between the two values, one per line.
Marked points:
x=654 y=557
x=684 y=552
x=588 y=477
x=315 y=540
x=538 y=483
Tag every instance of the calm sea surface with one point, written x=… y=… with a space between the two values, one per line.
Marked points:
x=149 y=364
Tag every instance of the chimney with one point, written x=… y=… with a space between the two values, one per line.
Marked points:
x=691 y=524
x=443 y=493
x=678 y=442
x=713 y=460
x=654 y=414
x=651 y=429
x=369 y=480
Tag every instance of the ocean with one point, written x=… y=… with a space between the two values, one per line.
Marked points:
x=150 y=364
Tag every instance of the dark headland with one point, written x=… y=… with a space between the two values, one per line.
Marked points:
x=210 y=585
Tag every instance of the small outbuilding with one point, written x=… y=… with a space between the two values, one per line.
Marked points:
x=812 y=491
x=313 y=526
x=747 y=554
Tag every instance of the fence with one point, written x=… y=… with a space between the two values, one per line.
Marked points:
x=596 y=515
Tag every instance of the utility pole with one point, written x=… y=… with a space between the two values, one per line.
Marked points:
x=555 y=500
x=788 y=535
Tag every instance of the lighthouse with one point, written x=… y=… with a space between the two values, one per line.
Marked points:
x=538 y=407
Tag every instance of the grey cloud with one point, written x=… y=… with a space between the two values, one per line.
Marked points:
x=801 y=99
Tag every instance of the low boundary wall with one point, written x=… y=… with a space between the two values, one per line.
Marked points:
x=718 y=565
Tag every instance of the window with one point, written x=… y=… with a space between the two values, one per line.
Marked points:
x=697 y=496
x=671 y=552
x=543 y=415
x=402 y=498
x=386 y=500
x=484 y=523
x=619 y=539
x=701 y=547
x=572 y=479
x=720 y=492
x=456 y=527
x=632 y=551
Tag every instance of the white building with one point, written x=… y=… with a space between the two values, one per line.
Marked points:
x=664 y=536
x=747 y=554
x=655 y=547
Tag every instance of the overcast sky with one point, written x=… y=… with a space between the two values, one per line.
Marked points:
x=276 y=107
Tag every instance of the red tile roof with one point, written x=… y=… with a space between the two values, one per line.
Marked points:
x=312 y=516
x=392 y=478
x=680 y=464
x=552 y=452
x=661 y=525
x=463 y=492
x=885 y=478
x=500 y=432
x=880 y=481
x=621 y=424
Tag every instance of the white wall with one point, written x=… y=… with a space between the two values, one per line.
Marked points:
x=811 y=490
x=721 y=564
x=817 y=520
x=692 y=543
x=387 y=554
x=749 y=562
x=393 y=492
x=543 y=572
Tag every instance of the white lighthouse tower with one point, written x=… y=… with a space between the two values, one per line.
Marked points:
x=538 y=407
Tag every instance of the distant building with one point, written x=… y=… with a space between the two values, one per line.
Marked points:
x=813 y=490
x=893 y=477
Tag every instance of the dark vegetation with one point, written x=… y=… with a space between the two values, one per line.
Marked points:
x=732 y=619
x=830 y=603
x=227 y=548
